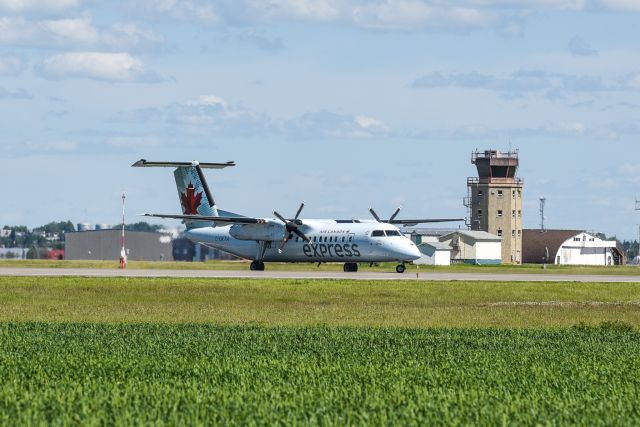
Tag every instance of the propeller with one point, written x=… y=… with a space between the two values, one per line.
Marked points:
x=291 y=228
x=377 y=218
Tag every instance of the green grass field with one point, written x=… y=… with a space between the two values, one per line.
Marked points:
x=83 y=374
x=317 y=302
x=244 y=265
x=116 y=351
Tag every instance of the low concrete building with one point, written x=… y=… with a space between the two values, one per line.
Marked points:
x=434 y=253
x=105 y=245
x=569 y=247
x=474 y=247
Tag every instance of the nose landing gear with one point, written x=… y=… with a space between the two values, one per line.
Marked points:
x=350 y=267
x=400 y=268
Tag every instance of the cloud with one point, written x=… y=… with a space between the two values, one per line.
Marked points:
x=39 y=6
x=527 y=82
x=205 y=115
x=506 y=16
x=622 y=5
x=326 y=124
x=128 y=141
x=74 y=33
x=198 y=11
x=10 y=65
x=15 y=94
x=412 y=15
x=578 y=46
x=212 y=115
x=110 y=67
x=261 y=40
x=515 y=85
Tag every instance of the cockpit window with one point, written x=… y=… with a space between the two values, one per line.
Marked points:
x=393 y=233
x=377 y=233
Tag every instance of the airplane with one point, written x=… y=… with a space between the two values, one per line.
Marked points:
x=280 y=239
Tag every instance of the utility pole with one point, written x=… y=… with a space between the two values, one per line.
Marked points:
x=543 y=200
x=123 y=252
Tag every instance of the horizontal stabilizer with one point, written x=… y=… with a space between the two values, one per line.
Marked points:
x=142 y=163
x=235 y=220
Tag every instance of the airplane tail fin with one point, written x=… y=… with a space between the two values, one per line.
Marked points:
x=193 y=192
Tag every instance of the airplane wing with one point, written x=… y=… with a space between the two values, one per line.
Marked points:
x=235 y=220
x=422 y=221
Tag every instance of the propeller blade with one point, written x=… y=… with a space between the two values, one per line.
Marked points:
x=299 y=210
x=280 y=217
x=302 y=235
x=374 y=214
x=394 y=214
x=287 y=236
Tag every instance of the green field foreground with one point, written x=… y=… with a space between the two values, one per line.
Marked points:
x=625 y=270
x=279 y=302
x=88 y=374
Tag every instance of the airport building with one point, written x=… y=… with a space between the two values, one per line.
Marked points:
x=570 y=247
x=474 y=247
x=106 y=244
x=434 y=253
x=494 y=200
x=445 y=247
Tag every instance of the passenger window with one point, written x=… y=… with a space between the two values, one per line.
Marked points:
x=350 y=238
x=343 y=238
x=314 y=239
x=377 y=233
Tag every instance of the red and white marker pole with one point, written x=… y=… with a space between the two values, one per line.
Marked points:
x=123 y=252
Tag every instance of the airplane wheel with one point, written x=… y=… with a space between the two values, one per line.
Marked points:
x=400 y=268
x=350 y=267
x=257 y=266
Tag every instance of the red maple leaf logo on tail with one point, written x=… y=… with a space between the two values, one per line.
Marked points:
x=190 y=200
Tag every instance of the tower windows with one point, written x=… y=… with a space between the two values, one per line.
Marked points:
x=499 y=212
x=499 y=193
x=499 y=232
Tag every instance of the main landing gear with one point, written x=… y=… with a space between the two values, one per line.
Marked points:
x=257 y=266
x=400 y=268
x=350 y=267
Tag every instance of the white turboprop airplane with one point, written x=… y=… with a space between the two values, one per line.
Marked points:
x=349 y=241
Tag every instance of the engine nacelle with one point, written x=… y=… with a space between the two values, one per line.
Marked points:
x=269 y=231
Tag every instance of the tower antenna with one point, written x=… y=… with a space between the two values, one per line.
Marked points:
x=543 y=201
x=123 y=252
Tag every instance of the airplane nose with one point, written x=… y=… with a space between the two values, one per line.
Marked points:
x=410 y=252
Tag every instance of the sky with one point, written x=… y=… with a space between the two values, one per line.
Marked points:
x=340 y=104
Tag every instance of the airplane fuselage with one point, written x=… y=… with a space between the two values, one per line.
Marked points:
x=331 y=241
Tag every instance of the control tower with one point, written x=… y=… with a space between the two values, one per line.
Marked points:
x=494 y=200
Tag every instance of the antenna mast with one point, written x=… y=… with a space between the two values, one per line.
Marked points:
x=543 y=200
x=638 y=209
x=123 y=252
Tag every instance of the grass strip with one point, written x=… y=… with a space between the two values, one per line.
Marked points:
x=281 y=302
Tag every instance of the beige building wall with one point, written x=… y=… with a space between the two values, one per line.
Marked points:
x=497 y=209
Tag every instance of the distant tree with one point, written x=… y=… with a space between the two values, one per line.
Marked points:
x=56 y=227
x=142 y=226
